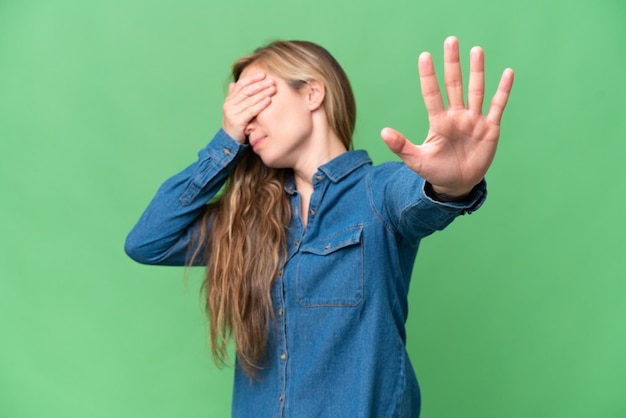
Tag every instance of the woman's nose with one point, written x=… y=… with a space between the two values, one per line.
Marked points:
x=249 y=128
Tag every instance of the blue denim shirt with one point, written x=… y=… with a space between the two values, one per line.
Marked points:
x=338 y=347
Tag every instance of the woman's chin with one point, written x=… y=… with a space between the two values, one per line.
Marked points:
x=272 y=162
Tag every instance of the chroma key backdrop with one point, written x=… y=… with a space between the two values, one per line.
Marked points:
x=518 y=310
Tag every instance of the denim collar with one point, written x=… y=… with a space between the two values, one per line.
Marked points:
x=344 y=164
x=338 y=168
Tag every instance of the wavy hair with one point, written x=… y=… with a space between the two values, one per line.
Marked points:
x=244 y=230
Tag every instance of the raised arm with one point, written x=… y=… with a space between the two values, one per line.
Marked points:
x=164 y=230
x=163 y=233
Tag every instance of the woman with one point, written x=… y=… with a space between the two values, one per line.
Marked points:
x=309 y=248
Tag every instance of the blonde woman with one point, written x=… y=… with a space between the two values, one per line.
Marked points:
x=309 y=248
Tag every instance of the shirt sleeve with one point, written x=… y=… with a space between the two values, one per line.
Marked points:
x=163 y=233
x=411 y=212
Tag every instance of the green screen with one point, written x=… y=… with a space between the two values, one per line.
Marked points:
x=515 y=311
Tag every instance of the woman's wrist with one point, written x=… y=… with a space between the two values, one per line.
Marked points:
x=446 y=195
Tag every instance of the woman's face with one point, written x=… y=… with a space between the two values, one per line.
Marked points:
x=281 y=133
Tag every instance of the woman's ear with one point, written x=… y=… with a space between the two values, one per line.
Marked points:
x=315 y=93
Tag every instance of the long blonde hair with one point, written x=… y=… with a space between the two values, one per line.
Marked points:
x=245 y=228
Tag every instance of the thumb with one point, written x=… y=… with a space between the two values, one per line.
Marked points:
x=399 y=145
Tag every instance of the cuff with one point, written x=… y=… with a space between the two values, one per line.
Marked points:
x=470 y=203
x=224 y=149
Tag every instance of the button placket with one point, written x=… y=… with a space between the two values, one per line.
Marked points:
x=282 y=330
x=319 y=187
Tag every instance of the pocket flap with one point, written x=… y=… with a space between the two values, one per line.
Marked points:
x=345 y=238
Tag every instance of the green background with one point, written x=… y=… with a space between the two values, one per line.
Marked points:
x=518 y=310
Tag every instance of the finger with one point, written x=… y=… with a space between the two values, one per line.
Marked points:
x=498 y=103
x=251 y=101
x=243 y=82
x=430 y=86
x=250 y=112
x=453 y=77
x=399 y=145
x=244 y=93
x=476 y=88
x=252 y=78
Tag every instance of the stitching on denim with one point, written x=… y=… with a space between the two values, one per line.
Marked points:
x=360 y=290
x=378 y=216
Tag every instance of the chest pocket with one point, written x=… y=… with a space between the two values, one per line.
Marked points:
x=330 y=270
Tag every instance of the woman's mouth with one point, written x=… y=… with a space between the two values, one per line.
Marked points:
x=254 y=142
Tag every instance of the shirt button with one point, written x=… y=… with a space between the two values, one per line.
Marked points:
x=312 y=212
x=280 y=312
x=283 y=356
x=318 y=177
x=281 y=399
x=226 y=151
x=297 y=243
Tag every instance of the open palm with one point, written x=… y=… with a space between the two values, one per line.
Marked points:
x=461 y=141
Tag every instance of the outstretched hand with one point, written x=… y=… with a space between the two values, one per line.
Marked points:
x=461 y=141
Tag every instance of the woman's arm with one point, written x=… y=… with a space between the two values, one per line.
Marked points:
x=163 y=233
x=165 y=230
x=405 y=202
